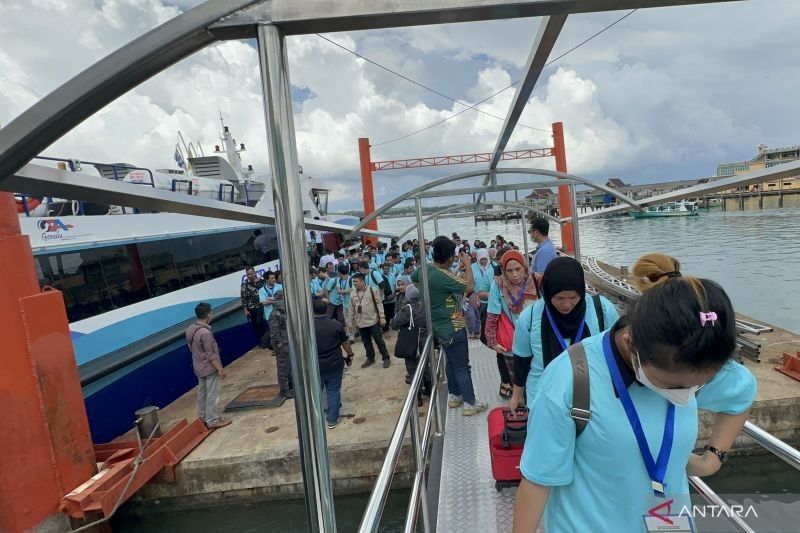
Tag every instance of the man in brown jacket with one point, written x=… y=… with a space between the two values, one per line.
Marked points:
x=207 y=367
x=366 y=313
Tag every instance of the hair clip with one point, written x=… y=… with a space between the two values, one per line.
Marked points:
x=711 y=316
x=655 y=277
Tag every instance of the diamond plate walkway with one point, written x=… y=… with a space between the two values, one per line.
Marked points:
x=468 y=500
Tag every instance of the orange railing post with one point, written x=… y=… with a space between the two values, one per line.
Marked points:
x=365 y=158
x=46 y=445
x=564 y=196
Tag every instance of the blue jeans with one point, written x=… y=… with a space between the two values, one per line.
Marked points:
x=332 y=383
x=459 y=379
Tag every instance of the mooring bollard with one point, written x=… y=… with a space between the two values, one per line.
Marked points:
x=146 y=422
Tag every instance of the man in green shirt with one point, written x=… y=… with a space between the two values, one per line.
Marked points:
x=445 y=293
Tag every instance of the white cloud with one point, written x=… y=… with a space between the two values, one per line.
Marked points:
x=667 y=91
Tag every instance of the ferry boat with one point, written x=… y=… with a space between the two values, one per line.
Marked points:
x=130 y=280
x=669 y=209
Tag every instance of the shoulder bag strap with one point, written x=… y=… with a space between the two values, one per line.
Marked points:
x=598 y=309
x=372 y=294
x=580 y=387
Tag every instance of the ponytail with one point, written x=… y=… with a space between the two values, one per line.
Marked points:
x=672 y=322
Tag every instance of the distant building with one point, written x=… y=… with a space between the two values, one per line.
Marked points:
x=766 y=158
x=540 y=198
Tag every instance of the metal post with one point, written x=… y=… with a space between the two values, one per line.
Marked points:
x=435 y=226
x=576 y=240
x=289 y=224
x=525 y=236
x=419 y=478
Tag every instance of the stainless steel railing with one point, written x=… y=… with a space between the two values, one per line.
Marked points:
x=408 y=419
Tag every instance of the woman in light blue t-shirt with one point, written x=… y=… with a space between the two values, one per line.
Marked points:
x=648 y=376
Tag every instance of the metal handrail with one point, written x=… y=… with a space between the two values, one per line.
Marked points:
x=409 y=415
x=773 y=444
x=713 y=498
x=71 y=163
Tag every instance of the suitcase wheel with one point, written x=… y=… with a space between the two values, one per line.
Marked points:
x=498 y=486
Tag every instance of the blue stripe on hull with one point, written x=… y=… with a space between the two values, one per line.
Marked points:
x=158 y=379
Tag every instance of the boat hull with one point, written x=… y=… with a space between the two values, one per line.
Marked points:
x=157 y=379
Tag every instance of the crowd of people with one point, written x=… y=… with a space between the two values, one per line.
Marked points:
x=534 y=313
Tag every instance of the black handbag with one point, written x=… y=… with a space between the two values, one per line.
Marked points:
x=407 y=340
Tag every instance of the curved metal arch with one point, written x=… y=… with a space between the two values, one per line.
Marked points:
x=91 y=90
x=568 y=179
x=456 y=207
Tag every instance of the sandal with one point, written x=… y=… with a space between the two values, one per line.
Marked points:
x=505 y=391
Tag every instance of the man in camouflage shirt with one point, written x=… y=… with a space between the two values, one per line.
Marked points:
x=280 y=345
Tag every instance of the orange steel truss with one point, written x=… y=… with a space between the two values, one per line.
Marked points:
x=438 y=161
x=557 y=151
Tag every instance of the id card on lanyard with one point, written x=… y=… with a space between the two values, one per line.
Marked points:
x=656 y=468
x=561 y=341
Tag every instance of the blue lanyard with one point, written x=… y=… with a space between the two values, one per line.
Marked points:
x=655 y=469
x=561 y=341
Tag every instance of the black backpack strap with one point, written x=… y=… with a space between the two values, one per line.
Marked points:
x=580 y=387
x=598 y=309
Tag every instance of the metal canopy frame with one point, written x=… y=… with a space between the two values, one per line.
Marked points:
x=316 y=16
x=420 y=192
x=543 y=44
x=79 y=98
x=778 y=172
x=449 y=209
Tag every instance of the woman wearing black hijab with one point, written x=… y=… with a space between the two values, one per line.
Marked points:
x=563 y=315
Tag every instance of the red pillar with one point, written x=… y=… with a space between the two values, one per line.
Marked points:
x=564 y=197
x=365 y=159
x=46 y=447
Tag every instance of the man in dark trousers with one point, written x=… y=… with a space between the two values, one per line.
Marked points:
x=280 y=345
x=250 y=301
x=331 y=338
x=207 y=367
x=366 y=313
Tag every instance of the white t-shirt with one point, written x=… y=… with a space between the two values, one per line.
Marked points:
x=327 y=259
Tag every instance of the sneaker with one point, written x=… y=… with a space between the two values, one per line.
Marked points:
x=368 y=362
x=454 y=401
x=220 y=423
x=387 y=363
x=470 y=410
x=333 y=424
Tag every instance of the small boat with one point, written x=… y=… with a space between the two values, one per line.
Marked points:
x=671 y=209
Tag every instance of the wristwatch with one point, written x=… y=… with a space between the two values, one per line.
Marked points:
x=722 y=456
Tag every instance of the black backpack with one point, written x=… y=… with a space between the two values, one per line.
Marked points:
x=383 y=285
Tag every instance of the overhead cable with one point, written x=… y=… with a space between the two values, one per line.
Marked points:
x=442 y=121
x=434 y=91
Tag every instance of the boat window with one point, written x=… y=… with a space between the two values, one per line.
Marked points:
x=98 y=280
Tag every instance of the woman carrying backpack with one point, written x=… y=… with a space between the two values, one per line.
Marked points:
x=511 y=292
x=412 y=332
x=646 y=378
x=564 y=315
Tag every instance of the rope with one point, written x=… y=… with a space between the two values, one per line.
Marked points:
x=136 y=463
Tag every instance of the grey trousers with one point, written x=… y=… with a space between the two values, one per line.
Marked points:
x=208 y=398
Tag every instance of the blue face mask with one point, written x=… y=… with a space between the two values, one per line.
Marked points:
x=679 y=397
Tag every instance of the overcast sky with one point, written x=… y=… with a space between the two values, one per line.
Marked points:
x=665 y=94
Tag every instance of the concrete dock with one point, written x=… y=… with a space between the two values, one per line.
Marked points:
x=258 y=454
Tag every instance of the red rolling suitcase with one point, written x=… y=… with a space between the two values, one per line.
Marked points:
x=507 y=433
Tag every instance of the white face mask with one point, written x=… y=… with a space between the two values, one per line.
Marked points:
x=679 y=397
